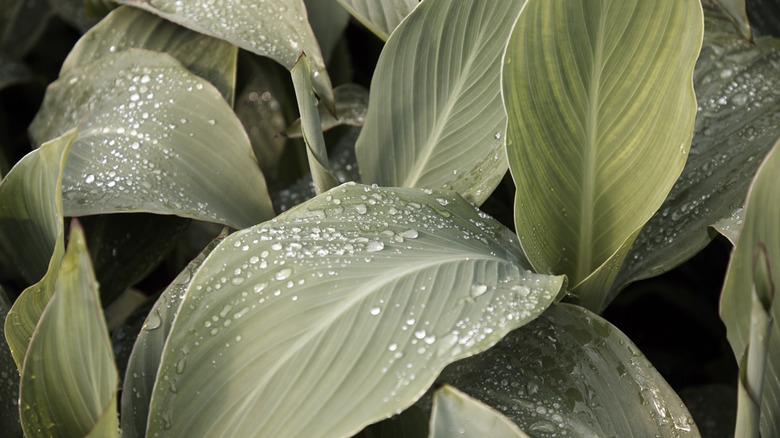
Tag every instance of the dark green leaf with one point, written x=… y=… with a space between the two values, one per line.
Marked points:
x=351 y=107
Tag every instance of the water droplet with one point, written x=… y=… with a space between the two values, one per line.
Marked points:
x=478 y=289
x=375 y=311
x=154 y=321
x=419 y=334
x=283 y=274
x=90 y=179
x=409 y=234
x=181 y=364
x=361 y=208
x=237 y=280
x=392 y=347
x=374 y=246
x=441 y=201
x=497 y=136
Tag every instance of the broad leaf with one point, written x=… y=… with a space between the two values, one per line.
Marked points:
x=277 y=29
x=456 y=414
x=338 y=313
x=571 y=373
x=126 y=28
x=9 y=380
x=327 y=20
x=31 y=219
x=760 y=230
x=425 y=128
x=737 y=124
x=69 y=381
x=736 y=11
x=380 y=16
x=153 y=138
x=148 y=349
x=601 y=110
x=351 y=107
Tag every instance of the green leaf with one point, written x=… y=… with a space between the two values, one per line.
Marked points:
x=98 y=8
x=425 y=128
x=126 y=28
x=601 y=110
x=31 y=219
x=69 y=380
x=730 y=226
x=277 y=29
x=351 y=107
x=762 y=214
x=148 y=349
x=73 y=13
x=738 y=123
x=457 y=414
x=338 y=313
x=571 y=373
x=328 y=20
x=9 y=380
x=736 y=11
x=380 y=16
x=153 y=138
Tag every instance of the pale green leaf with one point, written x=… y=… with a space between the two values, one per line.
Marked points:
x=9 y=380
x=456 y=414
x=738 y=91
x=351 y=107
x=148 y=349
x=126 y=28
x=338 y=313
x=380 y=16
x=153 y=138
x=571 y=373
x=762 y=214
x=736 y=11
x=328 y=20
x=311 y=129
x=730 y=226
x=435 y=117
x=31 y=218
x=26 y=23
x=601 y=108
x=277 y=29
x=69 y=380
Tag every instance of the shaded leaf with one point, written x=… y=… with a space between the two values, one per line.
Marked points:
x=69 y=380
x=736 y=11
x=739 y=121
x=762 y=214
x=351 y=107
x=98 y=8
x=428 y=129
x=730 y=226
x=73 y=13
x=601 y=110
x=13 y=72
x=9 y=380
x=277 y=29
x=411 y=423
x=338 y=313
x=457 y=414
x=32 y=190
x=153 y=138
x=764 y=16
x=380 y=16
x=24 y=27
x=570 y=372
x=126 y=28
x=328 y=20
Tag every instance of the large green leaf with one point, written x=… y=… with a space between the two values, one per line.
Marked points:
x=275 y=28
x=435 y=117
x=126 y=27
x=380 y=16
x=760 y=230
x=737 y=124
x=9 y=380
x=327 y=20
x=148 y=349
x=153 y=138
x=456 y=414
x=31 y=226
x=571 y=373
x=601 y=109
x=338 y=313
x=69 y=381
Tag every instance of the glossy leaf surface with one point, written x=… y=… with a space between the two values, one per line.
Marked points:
x=153 y=138
x=425 y=128
x=571 y=373
x=601 y=109
x=285 y=323
x=456 y=414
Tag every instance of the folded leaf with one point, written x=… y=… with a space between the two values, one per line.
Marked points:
x=380 y=16
x=457 y=414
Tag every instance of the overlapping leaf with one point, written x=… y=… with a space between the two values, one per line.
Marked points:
x=601 y=109
x=277 y=29
x=351 y=107
x=9 y=381
x=339 y=313
x=736 y=11
x=69 y=381
x=456 y=414
x=327 y=20
x=153 y=138
x=435 y=119
x=380 y=16
x=762 y=215
x=571 y=373
x=738 y=122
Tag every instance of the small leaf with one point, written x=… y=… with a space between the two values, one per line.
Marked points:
x=380 y=16
x=457 y=414
x=153 y=138
x=351 y=107
x=730 y=226
x=736 y=11
x=277 y=29
x=69 y=380
x=571 y=373
x=285 y=322
x=425 y=128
